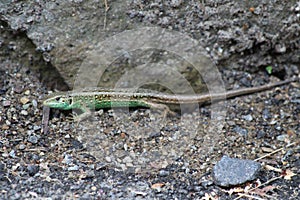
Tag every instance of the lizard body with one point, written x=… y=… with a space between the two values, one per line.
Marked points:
x=85 y=100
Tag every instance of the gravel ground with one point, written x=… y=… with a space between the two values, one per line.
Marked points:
x=137 y=154
x=109 y=158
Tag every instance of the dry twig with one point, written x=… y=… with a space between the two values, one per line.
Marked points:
x=275 y=151
x=105 y=14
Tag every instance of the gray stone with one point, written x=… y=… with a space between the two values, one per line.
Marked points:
x=231 y=171
x=73 y=168
x=248 y=117
x=241 y=131
x=33 y=169
x=33 y=139
x=282 y=137
x=164 y=173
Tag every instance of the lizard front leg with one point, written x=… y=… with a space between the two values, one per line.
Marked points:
x=86 y=113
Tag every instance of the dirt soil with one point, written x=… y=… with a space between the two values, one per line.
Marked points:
x=137 y=154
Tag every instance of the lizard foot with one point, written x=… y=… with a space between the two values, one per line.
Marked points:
x=78 y=118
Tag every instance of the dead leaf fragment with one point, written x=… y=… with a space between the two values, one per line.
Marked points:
x=157 y=185
x=266 y=149
x=262 y=192
x=271 y=168
x=289 y=174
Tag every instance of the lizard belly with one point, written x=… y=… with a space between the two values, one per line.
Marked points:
x=127 y=103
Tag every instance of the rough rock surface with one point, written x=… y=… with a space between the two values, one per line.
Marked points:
x=235 y=34
x=231 y=171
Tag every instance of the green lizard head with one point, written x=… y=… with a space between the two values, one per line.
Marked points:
x=59 y=101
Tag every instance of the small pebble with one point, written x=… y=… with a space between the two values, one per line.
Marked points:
x=24 y=100
x=260 y=134
x=68 y=159
x=207 y=183
x=5 y=155
x=280 y=48
x=266 y=114
x=33 y=169
x=6 y=103
x=22 y=146
x=36 y=127
x=26 y=106
x=75 y=187
x=35 y=157
x=24 y=112
x=5 y=127
x=15 y=167
x=73 y=168
x=108 y=159
x=248 y=118
x=16 y=196
x=27 y=92
x=90 y=174
x=18 y=89
x=183 y=191
x=12 y=154
x=7 y=122
x=241 y=131
x=123 y=167
x=18 y=75
x=163 y=173
x=129 y=164
x=32 y=139
x=127 y=159
x=278 y=128
x=282 y=137
x=34 y=103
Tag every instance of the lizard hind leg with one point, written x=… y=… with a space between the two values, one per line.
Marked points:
x=165 y=108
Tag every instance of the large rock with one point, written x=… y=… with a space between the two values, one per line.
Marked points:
x=71 y=34
x=231 y=171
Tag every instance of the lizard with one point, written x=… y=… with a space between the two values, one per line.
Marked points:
x=101 y=98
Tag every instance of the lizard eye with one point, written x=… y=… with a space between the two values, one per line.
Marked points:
x=70 y=101
x=57 y=99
